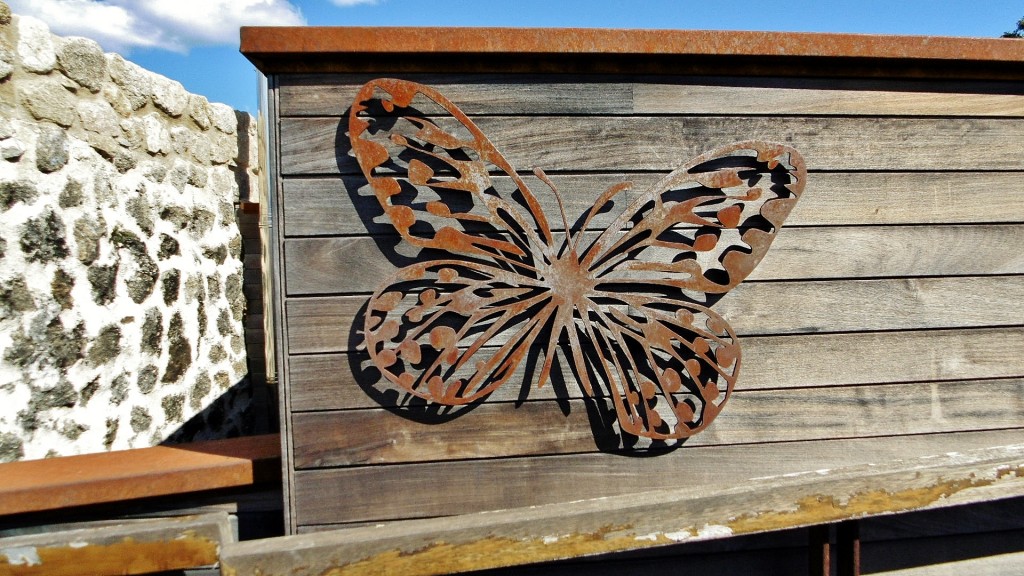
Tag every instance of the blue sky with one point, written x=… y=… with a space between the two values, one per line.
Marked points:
x=196 y=41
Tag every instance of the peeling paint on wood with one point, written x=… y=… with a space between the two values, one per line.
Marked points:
x=134 y=547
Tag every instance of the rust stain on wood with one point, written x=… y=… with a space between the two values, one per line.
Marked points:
x=127 y=556
x=491 y=552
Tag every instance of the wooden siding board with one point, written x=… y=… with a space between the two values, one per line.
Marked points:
x=331 y=95
x=326 y=324
x=346 y=206
x=326 y=381
x=325 y=265
x=643 y=520
x=391 y=492
x=320 y=145
x=494 y=430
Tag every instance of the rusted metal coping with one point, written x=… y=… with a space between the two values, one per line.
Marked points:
x=39 y=485
x=565 y=50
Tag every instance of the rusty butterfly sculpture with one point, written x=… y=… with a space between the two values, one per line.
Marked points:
x=627 y=307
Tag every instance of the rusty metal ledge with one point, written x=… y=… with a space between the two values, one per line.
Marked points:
x=395 y=49
x=39 y=485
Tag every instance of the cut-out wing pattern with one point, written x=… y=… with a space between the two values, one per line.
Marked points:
x=627 y=309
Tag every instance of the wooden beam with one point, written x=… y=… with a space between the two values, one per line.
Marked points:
x=639 y=520
x=37 y=485
x=131 y=547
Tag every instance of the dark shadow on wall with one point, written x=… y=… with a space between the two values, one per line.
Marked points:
x=247 y=190
x=249 y=406
x=234 y=413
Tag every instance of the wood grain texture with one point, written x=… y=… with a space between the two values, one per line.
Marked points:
x=346 y=206
x=328 y=381
x=494 y=430
x=326 y=265
x=644 y=520
x=131 y=547
x=553 y=143
x=391 y=492
x=883 y=324
x=326 y=324
x=995 y=565
x=331 y=95
x=639 y=521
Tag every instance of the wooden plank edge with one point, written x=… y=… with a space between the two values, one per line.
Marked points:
x=136 y=547
x=637 y=521
x=50 y=484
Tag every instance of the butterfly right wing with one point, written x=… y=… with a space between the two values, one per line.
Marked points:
x=667 y=373
x=669 y=362
x=706 y=225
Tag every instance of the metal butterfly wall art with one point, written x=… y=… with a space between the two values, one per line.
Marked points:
x=626 y=307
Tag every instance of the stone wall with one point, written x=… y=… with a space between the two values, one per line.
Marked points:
x=121 y=299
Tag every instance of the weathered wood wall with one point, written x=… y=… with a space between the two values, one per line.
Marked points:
x=886 y=321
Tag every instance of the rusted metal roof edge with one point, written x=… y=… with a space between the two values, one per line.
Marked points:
x=365 y=49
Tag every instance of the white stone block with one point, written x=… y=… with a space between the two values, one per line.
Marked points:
x=158 y=140
x=35 y=45
x=223 y=118
x=169 y=95
x=11 y=148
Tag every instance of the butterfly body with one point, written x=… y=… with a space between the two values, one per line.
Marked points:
x=627 y=306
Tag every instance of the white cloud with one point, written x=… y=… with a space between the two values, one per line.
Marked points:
x=177 y=25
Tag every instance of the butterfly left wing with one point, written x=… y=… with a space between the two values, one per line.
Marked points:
x=668 y=361
x=450 y=331
x=431 y=168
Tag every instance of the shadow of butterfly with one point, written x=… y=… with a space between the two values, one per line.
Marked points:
x=625 y=308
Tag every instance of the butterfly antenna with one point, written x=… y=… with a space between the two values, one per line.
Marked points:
x=558 y=198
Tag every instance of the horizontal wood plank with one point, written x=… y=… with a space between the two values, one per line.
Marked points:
x=130 y=547
x=320 y=145
x=371 y=493
x=495 y=430
x=326 y=265
x=325 y=324
x=346 y=206
x=333 y=381
x=330 y=95
x=640 y=520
